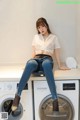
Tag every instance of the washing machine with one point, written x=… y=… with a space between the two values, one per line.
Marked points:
x=7 y=94
x=68 y=98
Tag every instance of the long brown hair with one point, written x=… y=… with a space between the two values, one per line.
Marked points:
x=42 y=21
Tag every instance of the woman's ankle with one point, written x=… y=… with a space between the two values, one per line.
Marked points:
x=15 y=102
x=55 y=105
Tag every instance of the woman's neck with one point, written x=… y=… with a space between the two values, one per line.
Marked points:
x=45 y=36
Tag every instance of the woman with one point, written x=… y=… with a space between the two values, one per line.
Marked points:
x=44 y=45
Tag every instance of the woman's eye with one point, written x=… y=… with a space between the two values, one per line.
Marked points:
x=43 y=25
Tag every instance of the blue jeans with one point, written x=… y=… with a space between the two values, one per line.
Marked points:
x=46 y=65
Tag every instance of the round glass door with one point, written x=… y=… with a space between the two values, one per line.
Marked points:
x=13 y=115
x=65 y=108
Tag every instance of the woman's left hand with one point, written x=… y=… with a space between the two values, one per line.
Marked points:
x=64 y=68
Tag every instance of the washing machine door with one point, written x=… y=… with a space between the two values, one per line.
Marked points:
x=65 y=107
x=13 y=115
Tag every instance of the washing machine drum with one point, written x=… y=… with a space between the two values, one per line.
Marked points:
x=13 y=115
x=65 y=107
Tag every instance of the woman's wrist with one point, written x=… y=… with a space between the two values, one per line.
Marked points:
x=59 y=65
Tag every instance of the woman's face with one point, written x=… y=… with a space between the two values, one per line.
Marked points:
x=43 y=30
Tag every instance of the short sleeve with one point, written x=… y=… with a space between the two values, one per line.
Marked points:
x=56 y=43
x=34 y=41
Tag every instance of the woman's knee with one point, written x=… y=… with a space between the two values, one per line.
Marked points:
x=47 y=64
x=32 y=63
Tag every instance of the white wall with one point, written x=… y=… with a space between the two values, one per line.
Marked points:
x=17 y=27
x=16 y=30
x=78 y=35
